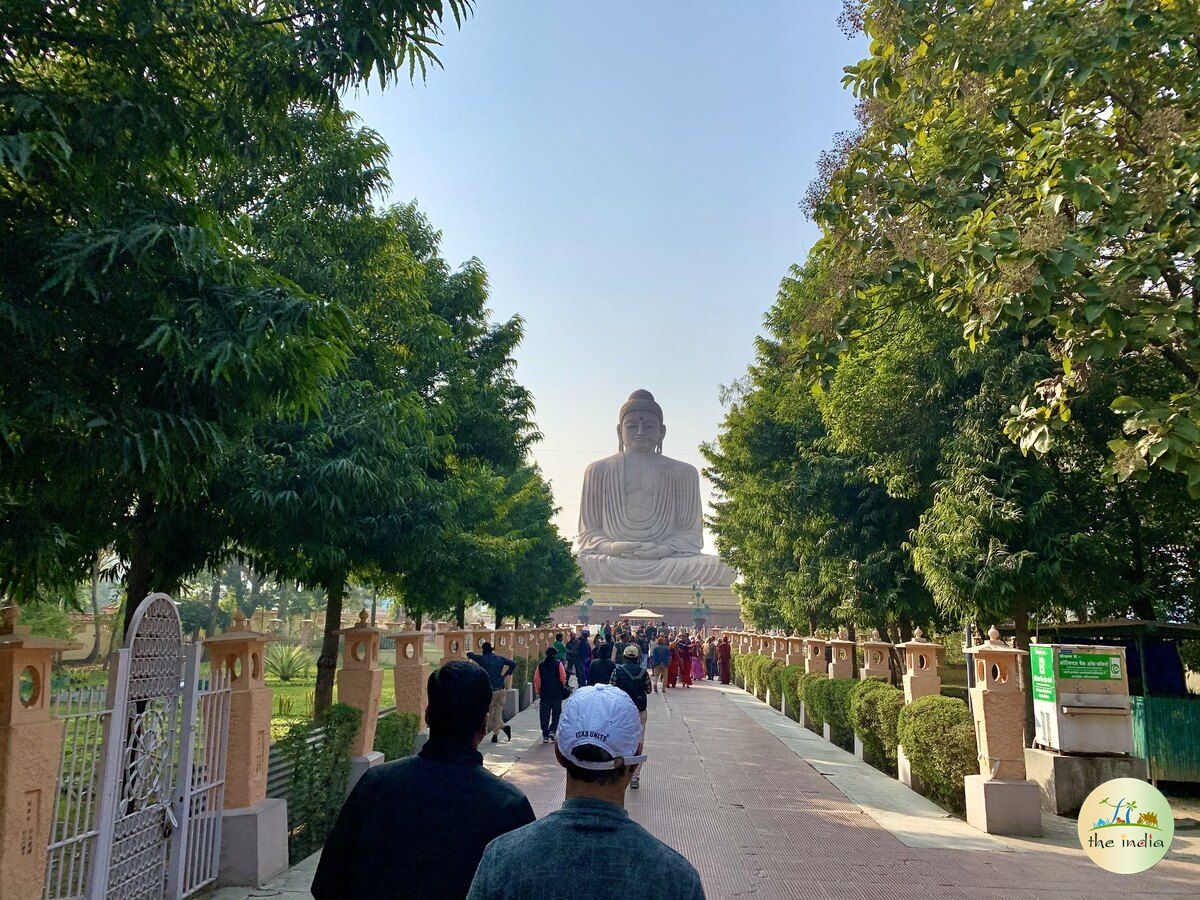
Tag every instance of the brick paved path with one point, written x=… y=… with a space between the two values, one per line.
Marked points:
x=757 y=820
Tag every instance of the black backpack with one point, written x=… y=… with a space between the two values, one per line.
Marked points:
x=631 y=678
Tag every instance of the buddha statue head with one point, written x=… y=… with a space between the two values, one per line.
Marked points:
x=640 y=427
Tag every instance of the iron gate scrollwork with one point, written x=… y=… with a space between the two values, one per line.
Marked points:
x=142 y=782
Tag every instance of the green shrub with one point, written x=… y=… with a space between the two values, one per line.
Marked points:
x=47 y=619
x=766 y=678
x=521 y=675
x=874 y=714
x=813 y=704
x=789 y=682
x=938 y=737
x=320 y=772
x=395 y=735
x=828 y=701
x=286 y=662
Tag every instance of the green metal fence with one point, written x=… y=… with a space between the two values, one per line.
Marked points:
x=1166 y=731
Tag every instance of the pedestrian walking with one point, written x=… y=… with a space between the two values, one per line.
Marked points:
x=550 y=683
x=374 y=852
x=710 y=659
x=498 y=668
x=631 y=677
x=599 y=746
x=660 y=659
x=724 y=658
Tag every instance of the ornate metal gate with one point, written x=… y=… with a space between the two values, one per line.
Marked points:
x=141 y=787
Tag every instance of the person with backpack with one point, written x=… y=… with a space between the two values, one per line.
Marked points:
x=660 y=658
x=631 y=677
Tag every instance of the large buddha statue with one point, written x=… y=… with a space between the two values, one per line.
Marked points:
x=639 y=522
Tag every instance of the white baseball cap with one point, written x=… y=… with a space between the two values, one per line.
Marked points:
x=602 y=715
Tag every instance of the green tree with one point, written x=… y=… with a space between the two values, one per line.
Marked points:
x=146 y=327
x=1035 y=164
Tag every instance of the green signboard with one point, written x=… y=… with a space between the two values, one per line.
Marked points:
x=1089 y=667
x=1041 y=658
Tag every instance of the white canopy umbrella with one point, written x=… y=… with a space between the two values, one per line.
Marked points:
x=640 y=613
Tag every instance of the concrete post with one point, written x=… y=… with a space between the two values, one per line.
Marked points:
x=842 y=664
x=254 y=837
x=795 y=651
x=999 y=799
x=359 y=683
x=30 y=754
x=876 y=658
x=453 y=642
x=814 y=655
x=306 y=632
x=922 y=667
x=410 y=675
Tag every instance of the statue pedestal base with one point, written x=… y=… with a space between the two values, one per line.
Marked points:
x=674 y=602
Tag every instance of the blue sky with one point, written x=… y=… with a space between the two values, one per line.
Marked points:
x=630 y=175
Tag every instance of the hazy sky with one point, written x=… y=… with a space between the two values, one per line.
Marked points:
x=630 y=175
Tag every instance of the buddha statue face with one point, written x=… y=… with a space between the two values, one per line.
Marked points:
x=641 y=431
x=640 y=427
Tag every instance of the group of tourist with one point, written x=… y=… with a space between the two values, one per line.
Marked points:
x=677 y=657
x=439 y=825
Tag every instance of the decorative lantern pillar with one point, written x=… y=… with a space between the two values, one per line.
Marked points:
x=453 y=642
x=922 y=667
x=779 y=647
x=359 y=683
x=842 y=664
x=814 y=655
x=31 y=739
x=876 y=658
x=795 y=652
x=410 y=675
x=999 y=799
x=254 y=826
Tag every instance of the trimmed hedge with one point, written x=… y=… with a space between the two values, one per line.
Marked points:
x=874 y=714
x=766 y=678
x=789 y=684
x=396 y=734
x=938 y=737
x=830 y=704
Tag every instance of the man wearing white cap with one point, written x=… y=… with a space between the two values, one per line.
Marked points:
x=599 y=744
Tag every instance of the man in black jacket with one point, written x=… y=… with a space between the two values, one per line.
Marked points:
x=417 y=827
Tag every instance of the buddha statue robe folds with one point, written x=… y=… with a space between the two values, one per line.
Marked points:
x=640 y=515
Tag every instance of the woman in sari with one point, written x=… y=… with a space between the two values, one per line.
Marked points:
x=724 y=651
x=673 y=666
x=686 y=656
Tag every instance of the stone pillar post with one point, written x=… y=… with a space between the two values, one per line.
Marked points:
x=453 y=642
x=31 y=740
x=411 y=674
x=254 y=836
x=999 y=799
x=842 y=664
x=306 y=632
x=876 y=658
x=795 y=651
x=779 y=647
x=814 y=655
x=359 y=682
x=922 y=667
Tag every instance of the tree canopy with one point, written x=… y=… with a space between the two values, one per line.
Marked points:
x=218 y=343
x=977 y=397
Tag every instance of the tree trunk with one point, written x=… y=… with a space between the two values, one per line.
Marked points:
x=139 y=579
x=1021 y=642
x=460 y=613
x=335 y=592
x=94 y=654
x=214 y=601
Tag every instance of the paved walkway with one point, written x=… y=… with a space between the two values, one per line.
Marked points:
x=766 y=809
